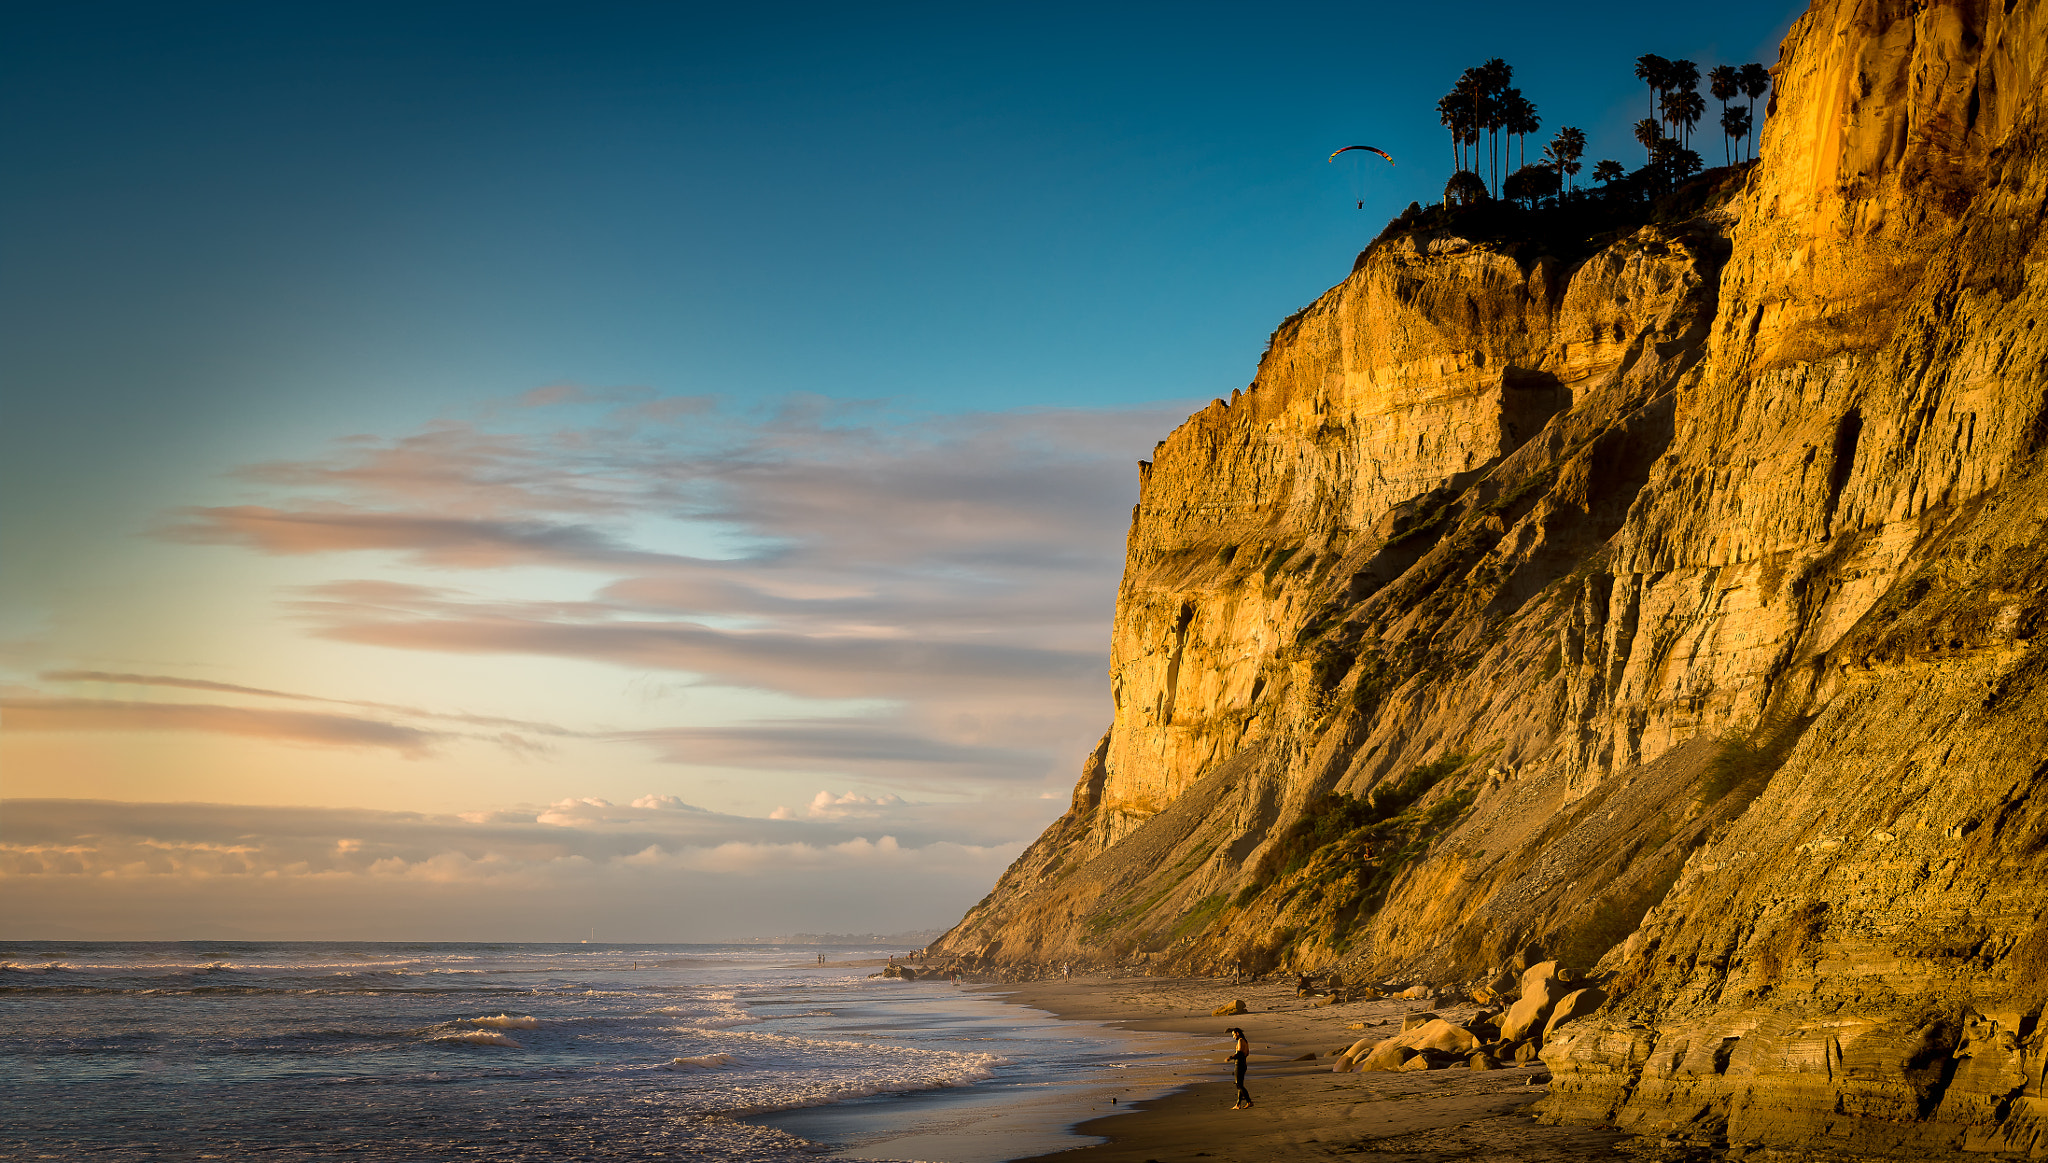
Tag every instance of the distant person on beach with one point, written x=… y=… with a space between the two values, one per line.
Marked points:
x=1241 y=1055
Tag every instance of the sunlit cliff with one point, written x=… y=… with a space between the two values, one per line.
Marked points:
x=1668 y=601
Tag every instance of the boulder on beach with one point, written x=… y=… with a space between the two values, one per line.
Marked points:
x=1388 y=1055
x=1541 y=989
x=1441 y=1035
x=1528 y=1052
x=1414 y=991
x=1419 y=1062
x=1235 y=1007
x=1483 y=1061
x=1576 y=1004
x=1417 y=1020
x=1342 y=1065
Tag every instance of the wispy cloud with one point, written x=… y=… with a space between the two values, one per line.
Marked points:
x=41 y=714
x=442 y=541
x=955 y=574
x=35 y=712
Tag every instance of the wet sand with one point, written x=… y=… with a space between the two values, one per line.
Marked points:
x=1303 y=1111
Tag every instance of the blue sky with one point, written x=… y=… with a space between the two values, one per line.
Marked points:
x=645 y=348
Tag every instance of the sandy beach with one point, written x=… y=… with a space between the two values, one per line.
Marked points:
x=1303 y=1111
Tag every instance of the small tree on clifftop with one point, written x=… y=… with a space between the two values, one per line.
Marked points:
x=1465 y=189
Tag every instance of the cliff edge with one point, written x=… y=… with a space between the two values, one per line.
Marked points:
x=1672 y=604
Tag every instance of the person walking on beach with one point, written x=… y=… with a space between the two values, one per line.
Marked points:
x=1241 y=1054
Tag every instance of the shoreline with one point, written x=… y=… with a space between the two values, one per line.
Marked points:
x=1302 y=1110
x=1068 y=1072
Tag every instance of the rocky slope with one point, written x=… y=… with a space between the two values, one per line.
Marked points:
x=1672 y=606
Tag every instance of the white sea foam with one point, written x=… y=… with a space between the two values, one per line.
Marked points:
x=701 y=1062
x=713 y=1011
x=480 y=1038
x=508 y=1022
x=770 y=1072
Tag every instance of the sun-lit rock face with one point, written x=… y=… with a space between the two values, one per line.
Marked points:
x=1403 y=385
x=1672 y=602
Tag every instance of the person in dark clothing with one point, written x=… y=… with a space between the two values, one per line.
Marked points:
x=1241 y=1054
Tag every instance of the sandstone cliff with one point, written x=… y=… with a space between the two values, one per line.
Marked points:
x=1672 y=603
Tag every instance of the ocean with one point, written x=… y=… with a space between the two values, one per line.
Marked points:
x=392 y=1051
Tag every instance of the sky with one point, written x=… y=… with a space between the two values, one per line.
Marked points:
x=499 y=472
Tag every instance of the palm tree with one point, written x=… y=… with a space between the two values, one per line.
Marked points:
x=1755 y=81
x=1651 y=70
x=1734 y=123
x=1451 y=112
x=1494 y=76
x=1518 y=117
x=1564 y=152
x=1682 y=108
x=1649 y=133
x=1459 y=111
x=1608 y=170
x=1683 y=77
x=1673 y=163
x=1724 y=82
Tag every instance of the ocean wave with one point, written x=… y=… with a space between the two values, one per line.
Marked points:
x=479 y=1038
x=508 y=1022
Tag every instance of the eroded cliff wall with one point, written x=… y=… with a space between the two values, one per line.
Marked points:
x=1672 y=601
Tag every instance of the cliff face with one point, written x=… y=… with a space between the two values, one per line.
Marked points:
x=1674 y=605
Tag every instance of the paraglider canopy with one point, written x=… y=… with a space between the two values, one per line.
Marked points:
x=1366 y=148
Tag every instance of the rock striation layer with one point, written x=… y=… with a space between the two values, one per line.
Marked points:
x=1671 y=601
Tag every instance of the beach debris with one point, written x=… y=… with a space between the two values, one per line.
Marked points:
x=1236 y=1006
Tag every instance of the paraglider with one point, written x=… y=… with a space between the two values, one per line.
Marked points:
x=1366 y=148
x=1384 y=156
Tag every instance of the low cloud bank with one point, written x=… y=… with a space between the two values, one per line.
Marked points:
x=657 y=869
